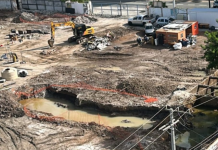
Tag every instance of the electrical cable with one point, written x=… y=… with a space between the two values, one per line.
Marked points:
x=161 y=122
x=189 y=138
x=155 y=140
x=168 y=116
x=138 y=128
x=208 y=144
x=149 y=132
x=192 y=130
x=205 y=140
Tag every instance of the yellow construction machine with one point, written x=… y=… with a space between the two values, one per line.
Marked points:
x=80 y=32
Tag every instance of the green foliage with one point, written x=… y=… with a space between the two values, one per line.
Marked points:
x=163 y=4
x=151 y=4
x=211 y=49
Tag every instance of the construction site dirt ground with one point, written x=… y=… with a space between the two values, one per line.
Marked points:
x=110 y=79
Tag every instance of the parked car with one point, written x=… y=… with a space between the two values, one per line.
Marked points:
x=215 y=4
x=149 y=29
x=162 y=21
x=140 y=20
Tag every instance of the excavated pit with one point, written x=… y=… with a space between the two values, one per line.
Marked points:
x=71 y=98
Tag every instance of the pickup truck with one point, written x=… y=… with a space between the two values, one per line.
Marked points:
x=140 y=20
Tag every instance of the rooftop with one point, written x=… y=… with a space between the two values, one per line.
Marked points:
x=177 y=26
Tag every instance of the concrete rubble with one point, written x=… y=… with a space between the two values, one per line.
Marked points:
x=84 y=20
x=96 y=43
x=29 y=16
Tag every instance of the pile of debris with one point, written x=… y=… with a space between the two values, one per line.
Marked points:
x=191 y=40
x=84 y=20
x=96 y=43
x=29 y=16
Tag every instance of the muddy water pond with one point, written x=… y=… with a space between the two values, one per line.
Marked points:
x=205 y=122
x=83 y=114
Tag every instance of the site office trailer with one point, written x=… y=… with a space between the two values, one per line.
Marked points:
x=171 y=36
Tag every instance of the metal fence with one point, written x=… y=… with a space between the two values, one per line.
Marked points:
x=49 y=5
x=118 y=9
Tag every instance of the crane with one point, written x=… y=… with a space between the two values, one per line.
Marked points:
x=80 y=32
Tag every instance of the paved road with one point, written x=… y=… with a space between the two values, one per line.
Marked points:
x=179 y=3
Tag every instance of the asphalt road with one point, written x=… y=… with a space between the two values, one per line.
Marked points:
x=179 y=3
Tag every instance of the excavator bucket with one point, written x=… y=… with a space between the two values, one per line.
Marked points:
x=51 y=42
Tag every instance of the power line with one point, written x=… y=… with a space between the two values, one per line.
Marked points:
x=167 y=117
x=161 y=121
x=155 y=140
x=192 y=130
x=149 y=132
x=189 y=138
x=205 y=140
x=138 y=129
x=209 y=144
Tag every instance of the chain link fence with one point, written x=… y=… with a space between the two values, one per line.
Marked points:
x=118 y=9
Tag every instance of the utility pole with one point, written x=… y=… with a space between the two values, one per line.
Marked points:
x=174 y=8
x=173 y=142
x=170 y=126
x=209 y=3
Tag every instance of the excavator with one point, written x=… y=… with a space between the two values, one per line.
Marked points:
x=80 y=32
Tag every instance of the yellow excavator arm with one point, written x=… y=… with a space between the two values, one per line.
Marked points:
x=80 y=31
x=53 y=25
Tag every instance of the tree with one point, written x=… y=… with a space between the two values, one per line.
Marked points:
x=211 y=49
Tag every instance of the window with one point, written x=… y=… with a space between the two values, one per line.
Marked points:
x=181 y=35
x=149 y=27
x=166 y=20
x=139 y=18
x=161 y=20
x=135 y=18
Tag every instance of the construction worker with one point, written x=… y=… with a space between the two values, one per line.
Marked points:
x=110 y=35
x=146 y=38
x=139 y=40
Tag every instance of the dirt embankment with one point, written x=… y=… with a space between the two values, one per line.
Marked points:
x=20 y=132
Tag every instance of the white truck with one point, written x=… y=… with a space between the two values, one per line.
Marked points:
x=140 y=20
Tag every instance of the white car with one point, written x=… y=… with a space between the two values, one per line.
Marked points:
x=162 y=21
x=140 y=20
x=149 y=29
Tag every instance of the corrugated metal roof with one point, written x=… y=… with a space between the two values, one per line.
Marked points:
x=177 y=26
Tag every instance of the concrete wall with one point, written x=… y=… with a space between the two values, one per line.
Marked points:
x=5 y=4
x=78 y=8
x=204 y=17
x=49 y=5
x=166 y=12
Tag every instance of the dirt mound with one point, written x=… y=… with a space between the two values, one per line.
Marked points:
x=146 y=87
x=117 y=31
x=9 y=107
x=84 y=19
x=27 y=16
